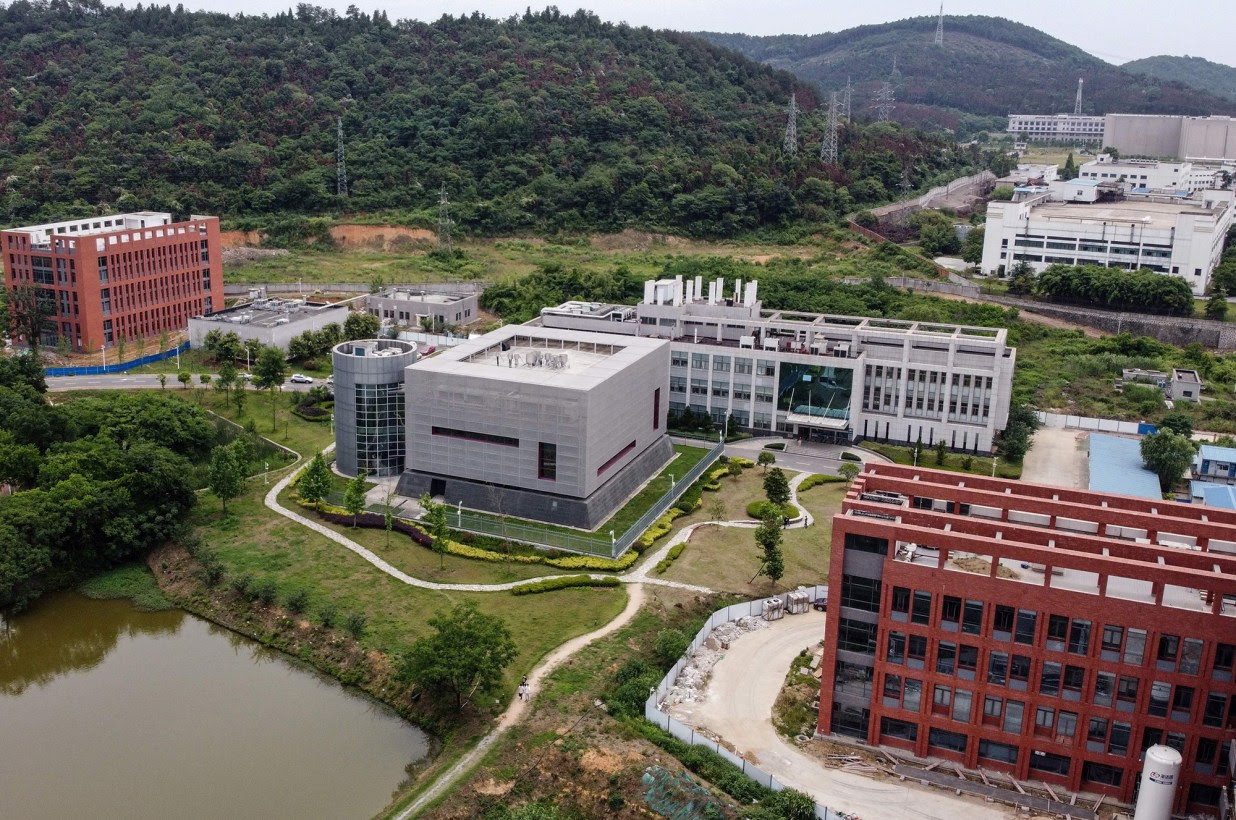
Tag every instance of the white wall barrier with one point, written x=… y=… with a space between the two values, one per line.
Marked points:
x=685 y=733
x=1067 y=422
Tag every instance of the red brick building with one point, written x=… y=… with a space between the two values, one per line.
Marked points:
x=1052 y=634
x=113 y=277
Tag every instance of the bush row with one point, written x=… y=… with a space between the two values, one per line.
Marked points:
x=670 y=557
x=550 y=584
x=759 y=509
x=817 y=479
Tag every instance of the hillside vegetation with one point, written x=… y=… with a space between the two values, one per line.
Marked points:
x=1216 y=78
x=535 y=123
x=988 y=66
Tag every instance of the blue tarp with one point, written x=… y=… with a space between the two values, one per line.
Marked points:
x=100 y=370
x=1116 y=467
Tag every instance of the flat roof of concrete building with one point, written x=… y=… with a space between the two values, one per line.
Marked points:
x=556 y=357
x=1161 y=215
x=412 y=294
x=270 y=312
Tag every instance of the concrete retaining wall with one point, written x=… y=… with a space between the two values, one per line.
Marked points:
x=1177 y=330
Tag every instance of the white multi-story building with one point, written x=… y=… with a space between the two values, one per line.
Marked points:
x=1152 y=175
x=813 y=376
x=1173 y=236
x=1069 y=128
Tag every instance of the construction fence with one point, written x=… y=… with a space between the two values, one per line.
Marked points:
x=103 y=370
x=559 y=538
x=1066 y=422
x=687 y=734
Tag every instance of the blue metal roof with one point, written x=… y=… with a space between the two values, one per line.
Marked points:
x=1116 y=467
x=1218 y=495
x=1213 y=452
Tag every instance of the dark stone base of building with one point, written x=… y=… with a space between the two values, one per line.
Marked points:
x=584 y=513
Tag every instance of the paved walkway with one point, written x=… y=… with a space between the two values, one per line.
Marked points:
x=737 y=707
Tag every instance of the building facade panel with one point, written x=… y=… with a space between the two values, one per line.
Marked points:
x=1051 y=634
x=123 y=276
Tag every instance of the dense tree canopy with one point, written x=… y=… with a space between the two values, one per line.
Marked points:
x=1116 y=288
x=540 y=121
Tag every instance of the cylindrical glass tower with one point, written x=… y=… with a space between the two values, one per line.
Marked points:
x=369 y=405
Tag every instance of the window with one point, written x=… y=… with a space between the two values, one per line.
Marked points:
x=892 y=688
x=900 y=729
x=865 y=543
x=921 y=613
x=1079 y=638
x=860 y=593
x=950 y=613
x=998 y=752
x=972 y=618
x=721 y=364
x=1019 y=672
x=656 y=409
x=1113 y=639
x=469 y=435
x=916 y=650
x=946 y=658
x=1169 y=648
x=1225 y=655
x=1049 y=679
x=1044 y=720
x=547 y=461
x=742 y=366
x=1057 y=631
x=1026 y=622
x=763 y=394
x=901 y=598
x=1216 y=704
x=1191 y=657
x=614 y=459
x=1118 y=740
x=1126 y=691
x=967 y=661
x=997 y=668
x=678 y=360
x=993 y=709
x=1182 y=702
x=961 y=705
x=1003 y=623
x=856 y=636
x=1104 y=688
x=912 y=700
x=1204 y=795
x=1097 y=732
x=941 y=699
x=765 y=367
x=1102 y=773
x=1050 y=763
x=896 y=647
x=699 y=361
x=853 y=680
x=953 y=741
x=1074 y=677
x=1135 y=647
x=1159 y=694
x=1014 y=713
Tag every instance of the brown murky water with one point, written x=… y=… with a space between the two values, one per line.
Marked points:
x=107 y=712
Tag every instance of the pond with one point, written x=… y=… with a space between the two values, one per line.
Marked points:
x=108 y=711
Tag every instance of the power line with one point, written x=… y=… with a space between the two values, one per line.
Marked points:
x=940 y=27
x=884 y=101
x=828 y=148
x=790 y=145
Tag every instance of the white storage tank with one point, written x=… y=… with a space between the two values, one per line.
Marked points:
x=1158 y=787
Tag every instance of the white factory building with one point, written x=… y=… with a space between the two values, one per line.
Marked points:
x=1152 y=176
x=1076 y=129
x=814 y=376
x=1172 y=235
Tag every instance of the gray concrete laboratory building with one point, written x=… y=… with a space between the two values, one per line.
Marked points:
x=551 y=424
x=370 y=405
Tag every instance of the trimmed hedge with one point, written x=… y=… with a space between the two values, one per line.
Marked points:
x=818 y=479
x=659 y=528
x=338 y=515
x=670 y=557
x=848 y=456
x=776 y=445
x=745 y=463
x=550 y=584
x=758 y=509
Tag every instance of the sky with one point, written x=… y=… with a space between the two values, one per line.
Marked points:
x=1113 y=30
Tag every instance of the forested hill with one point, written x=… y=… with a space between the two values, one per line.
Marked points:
x=544 y=121
x=1198 y=72
x=987 y=66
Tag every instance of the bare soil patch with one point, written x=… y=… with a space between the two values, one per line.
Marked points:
x=384 y=237
x=633 y=240
x=237 y=239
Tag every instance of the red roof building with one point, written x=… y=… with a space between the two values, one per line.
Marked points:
x=117 y=277
x=1049 y=633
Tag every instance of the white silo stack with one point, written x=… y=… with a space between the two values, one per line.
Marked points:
x=1158 y=788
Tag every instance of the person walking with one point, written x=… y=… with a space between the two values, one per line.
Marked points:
x=522 y=691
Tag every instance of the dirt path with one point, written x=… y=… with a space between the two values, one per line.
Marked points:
x=737 y=707
x=518 y=708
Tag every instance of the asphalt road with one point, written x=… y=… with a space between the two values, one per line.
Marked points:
x=133 y=382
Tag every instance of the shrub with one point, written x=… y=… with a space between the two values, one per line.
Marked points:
x=328 y=614
x=848 y=456
x=264 y=591
x=241 y=584
x=776 y=445
x=659 y=529
x=745 y=463
x=297 y=601
x=670 y=557
x=355 y=625
x=759 y=509
x=212 y=573
x=564 y=582
x=671 y=643
x=817 y=479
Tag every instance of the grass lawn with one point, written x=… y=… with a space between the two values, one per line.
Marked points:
x=954 y=462
x=725 y=558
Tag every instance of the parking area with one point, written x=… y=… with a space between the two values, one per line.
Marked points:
x=1058 y=457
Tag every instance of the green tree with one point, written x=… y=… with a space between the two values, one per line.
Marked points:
x=1069 y=171
x=941 y=452
x=354 y=496
x=315 y=481
x=184 y=377
x=768 y=539
x=1216 y=306
x=463 y=657
x=162 y=381
x=26 y=314
x=436 y=524
x=765 y=458
x=776 y=486
x=1179 y=423
x=1021 y=279
x=972 y=248
x=1167 y=455
x=227 y=378
x=269 y=373
x=226 y=477
x=360 y=325
x=849 y=470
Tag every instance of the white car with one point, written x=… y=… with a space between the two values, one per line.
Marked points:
x=300 y=378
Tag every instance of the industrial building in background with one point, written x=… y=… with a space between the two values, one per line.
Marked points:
x=1171 y=136
x=1089 y=222
x=1071 y=129
x=370 y=405
x=813 y=376
x=272 y=322
x=420 y=309
x=123 y=276
x=543 y=423
x=1051 y=634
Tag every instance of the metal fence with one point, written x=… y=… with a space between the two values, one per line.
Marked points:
x=585 y=543
x=101 y=370
x=687 y=734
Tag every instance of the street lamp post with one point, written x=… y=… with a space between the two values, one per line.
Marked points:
x=265 y=471
x=103 y=350
x=994 y=461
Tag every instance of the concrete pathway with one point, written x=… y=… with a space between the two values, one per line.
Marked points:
x=737 y=707
x=518 y=708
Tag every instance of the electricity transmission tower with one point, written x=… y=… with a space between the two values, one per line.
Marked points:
x=444 y=220
x=828 y=148
x=940 y=27
x=884 y=102
x=341 y=161
x=790 y=145
x=845 y=100
x=1077 y=102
